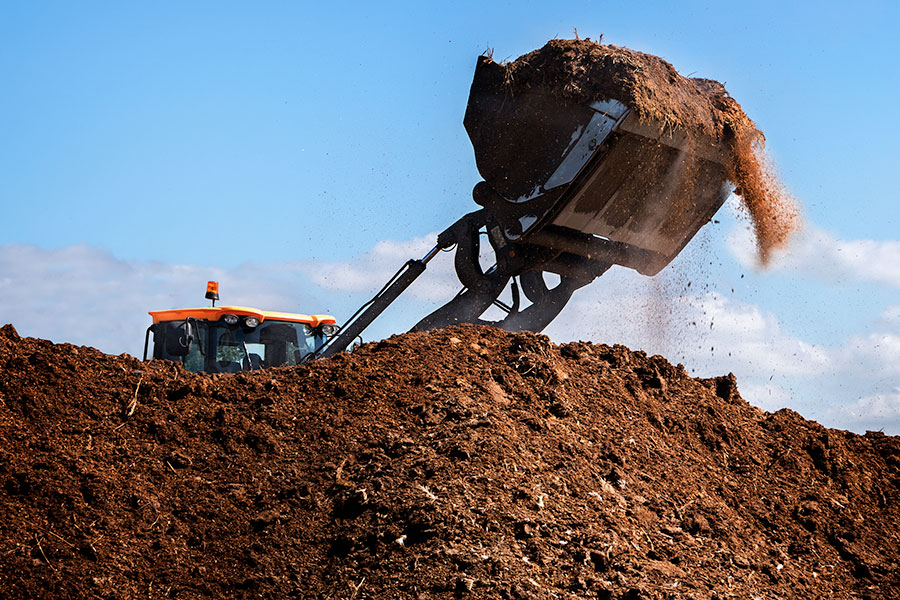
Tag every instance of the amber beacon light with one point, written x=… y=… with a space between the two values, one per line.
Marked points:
x=212 y=291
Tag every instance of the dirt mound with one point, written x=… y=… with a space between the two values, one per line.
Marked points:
x=582 y=71
x=466 y=462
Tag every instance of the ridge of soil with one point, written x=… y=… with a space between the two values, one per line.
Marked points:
x=583 y=70
x=465 y=462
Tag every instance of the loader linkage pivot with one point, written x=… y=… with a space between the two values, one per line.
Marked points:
x=522 y=266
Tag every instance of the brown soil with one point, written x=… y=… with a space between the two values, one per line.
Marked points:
x=584 y=70
x=466 y=462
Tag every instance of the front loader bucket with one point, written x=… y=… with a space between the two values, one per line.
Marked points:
x=589 y=178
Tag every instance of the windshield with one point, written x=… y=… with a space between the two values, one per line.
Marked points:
x=271 y=344
x=221 y=348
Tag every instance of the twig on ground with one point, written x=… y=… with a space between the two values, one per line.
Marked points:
x=356 y=588
x=41 y=549
x=59 y=537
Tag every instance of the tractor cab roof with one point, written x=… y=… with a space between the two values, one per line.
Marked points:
x=215 y=313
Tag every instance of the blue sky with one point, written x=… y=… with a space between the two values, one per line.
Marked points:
x=300 y=152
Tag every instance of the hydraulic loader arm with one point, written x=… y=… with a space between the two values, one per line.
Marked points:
x=518 y=264
x=401 y=280
x=369 y=311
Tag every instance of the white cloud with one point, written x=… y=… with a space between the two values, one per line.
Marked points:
x=709 y=332
x=874 y=412
x=373 y=269
x=876 y=349
x=766 y=396
x=891 y=316
x=815 y=252
x=755 y=337
x=83 y=295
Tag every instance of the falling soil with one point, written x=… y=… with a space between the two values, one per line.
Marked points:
x=772 y=211
x=461 y=463
x=583 y=71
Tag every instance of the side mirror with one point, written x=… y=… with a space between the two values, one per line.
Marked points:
x=179 y=337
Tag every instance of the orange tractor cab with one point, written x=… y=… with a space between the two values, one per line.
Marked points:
x=229 y=339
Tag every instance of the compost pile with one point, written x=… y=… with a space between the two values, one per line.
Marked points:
x=466 y=462
x=581 y=71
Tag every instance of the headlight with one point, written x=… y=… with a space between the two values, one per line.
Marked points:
x=251 y=321
x=329 y=329
x=230 y=319
x=307 y=330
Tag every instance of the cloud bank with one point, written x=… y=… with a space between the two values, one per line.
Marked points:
x=85 y=295
x=815 y=252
